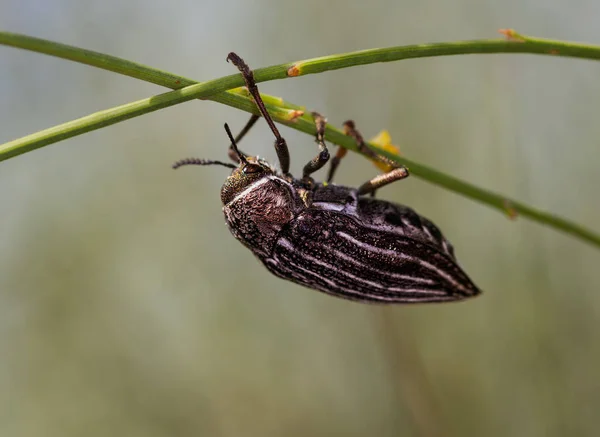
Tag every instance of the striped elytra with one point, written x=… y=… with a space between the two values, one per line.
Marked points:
x=331 y=238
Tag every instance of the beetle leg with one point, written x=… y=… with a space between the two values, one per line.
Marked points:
x=382 y=180
x=350 y=130
x=232 y=153
x=335 y=161
x=397 y=172
x=321 y=159
x=280 y=144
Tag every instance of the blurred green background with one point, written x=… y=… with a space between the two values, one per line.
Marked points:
x=126 y=307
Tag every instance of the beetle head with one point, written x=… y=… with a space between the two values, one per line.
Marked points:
x=249 y=170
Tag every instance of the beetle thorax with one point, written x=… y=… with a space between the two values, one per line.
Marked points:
x=257 y=214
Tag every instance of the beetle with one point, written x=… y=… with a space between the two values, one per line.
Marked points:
x=335 y=239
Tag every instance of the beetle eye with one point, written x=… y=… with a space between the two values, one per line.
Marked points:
x=251 y=168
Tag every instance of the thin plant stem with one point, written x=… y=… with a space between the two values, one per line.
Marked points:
x=222 y=90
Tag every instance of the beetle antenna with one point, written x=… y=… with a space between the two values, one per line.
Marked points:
x=234 y=146
x=198 y=161
x=230 y=152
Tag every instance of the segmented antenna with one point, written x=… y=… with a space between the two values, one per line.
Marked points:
x=240 y=155
x=198 y=161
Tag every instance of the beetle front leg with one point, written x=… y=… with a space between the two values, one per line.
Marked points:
x=321 y=159
x=281 y=147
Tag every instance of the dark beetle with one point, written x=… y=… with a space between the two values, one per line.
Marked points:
x=333 y=238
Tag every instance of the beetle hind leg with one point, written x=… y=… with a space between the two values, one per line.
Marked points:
x=382 y=180
x=396 y=173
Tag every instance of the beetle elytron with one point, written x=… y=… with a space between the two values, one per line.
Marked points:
x=333 y=238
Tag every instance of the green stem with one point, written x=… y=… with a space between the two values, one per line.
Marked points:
x=526 y=44
x=220 y=90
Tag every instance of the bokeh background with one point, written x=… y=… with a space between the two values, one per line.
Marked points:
x=126 y=308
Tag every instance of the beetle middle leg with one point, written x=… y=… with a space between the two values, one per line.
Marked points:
x=335 y=162
x=321 y=159
x=350 y=130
